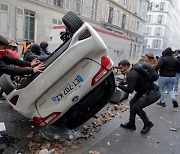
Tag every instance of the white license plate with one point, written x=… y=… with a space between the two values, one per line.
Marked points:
x=70 y=87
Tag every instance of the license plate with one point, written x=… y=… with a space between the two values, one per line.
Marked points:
x=70 y=87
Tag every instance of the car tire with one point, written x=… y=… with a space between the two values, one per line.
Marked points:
x=6 y=84
x=72 y=22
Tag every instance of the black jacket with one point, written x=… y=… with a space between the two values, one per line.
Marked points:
x=29 y=56
x=137 y=82
x=167 y=64
x=6 y=68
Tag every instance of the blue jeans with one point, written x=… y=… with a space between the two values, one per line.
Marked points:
x=167 y=82
x=176 y=82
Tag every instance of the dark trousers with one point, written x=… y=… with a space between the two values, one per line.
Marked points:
x=145 y=100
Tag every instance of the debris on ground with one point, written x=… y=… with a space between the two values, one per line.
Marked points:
x=62 y=139
x=8 y=140
x=94 y=152
x=174 y=129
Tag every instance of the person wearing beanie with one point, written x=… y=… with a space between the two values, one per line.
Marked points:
x=167 y=67
x=44 y=47
x=35 y=52
x=6 y=61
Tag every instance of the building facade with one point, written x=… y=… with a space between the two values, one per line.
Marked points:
x=34 y=19
x=162 y=30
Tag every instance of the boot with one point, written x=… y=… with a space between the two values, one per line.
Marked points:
x=175 y=104
x=147 y=127
x=130 y=125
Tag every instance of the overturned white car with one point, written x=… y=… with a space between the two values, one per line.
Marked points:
x=77 y=82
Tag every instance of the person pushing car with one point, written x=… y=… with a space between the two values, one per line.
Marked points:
x=6 y=61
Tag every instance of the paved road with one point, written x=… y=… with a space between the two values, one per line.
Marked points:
x=164 y=137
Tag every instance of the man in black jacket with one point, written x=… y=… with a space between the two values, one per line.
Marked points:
x=167 y=66
x=35 y=52
x=6 y=61
x=146 y=94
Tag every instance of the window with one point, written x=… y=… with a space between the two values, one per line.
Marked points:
x=137 y=26
x=94 y=9
x=67 y=4
x=160 y=18
x=150 y=5
x=78 y=6
x=29 y=25
x=158 y=31
x=58 y=3
x=149 y=18
x=57 y=21
x=111 y=14
x=123 y=21
x=162 y=6
x=156 y=44
x=147 y=31
x=4 y=7
x=125 y=2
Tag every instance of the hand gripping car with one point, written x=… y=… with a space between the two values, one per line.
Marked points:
x=77 y=82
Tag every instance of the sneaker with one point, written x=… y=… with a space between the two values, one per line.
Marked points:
x=161 y=104
x=175 y=93
x=175 y=104
x=129 y=125
x=147 y=128
x=165 y=92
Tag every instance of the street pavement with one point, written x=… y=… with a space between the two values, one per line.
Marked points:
x=164 y=137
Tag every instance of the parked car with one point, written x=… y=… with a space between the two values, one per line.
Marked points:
x=77 y=82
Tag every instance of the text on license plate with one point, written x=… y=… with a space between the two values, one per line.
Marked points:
x=68 y=89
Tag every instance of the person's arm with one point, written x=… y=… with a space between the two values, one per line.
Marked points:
x=16 y=61
x=11 y=70
x=131 y=82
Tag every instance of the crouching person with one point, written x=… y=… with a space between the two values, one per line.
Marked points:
x=147 y=93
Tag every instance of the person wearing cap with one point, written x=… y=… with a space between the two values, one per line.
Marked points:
x=151 y=59
x=35 y=52
x=6 y=62
x=167 y=67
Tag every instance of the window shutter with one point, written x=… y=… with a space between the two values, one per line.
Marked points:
x=106 y=13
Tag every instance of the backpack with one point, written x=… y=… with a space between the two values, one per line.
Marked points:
x=146 y=70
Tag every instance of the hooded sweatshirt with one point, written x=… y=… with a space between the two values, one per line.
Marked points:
x=167 y=64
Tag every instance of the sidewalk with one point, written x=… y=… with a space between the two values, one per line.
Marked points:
x=164 y=137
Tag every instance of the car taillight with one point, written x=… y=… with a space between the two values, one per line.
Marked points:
x=106 y=66
x=85 y=35
x=46 y=120
x=14 y=100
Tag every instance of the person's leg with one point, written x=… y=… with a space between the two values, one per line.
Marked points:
x=162 y=83
x=176 y=83
x=131 y=124
x=170 y=85
x=143 y=102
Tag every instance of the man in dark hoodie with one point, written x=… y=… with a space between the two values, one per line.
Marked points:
x=167 y=67
x=34 y=52
x=44 y=47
